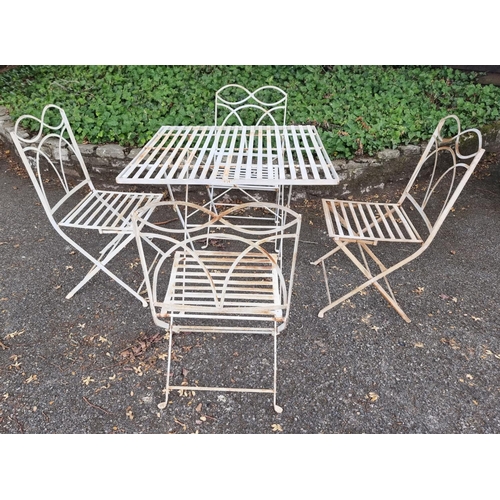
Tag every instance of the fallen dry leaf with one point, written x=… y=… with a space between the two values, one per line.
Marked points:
x=451 y=342
x=14 y=334
x=186 y=394
x=140 y=347
x=277 y=428
x=373 y=396
x=184 y=426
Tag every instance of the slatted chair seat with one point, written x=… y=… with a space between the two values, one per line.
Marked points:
x=106 y=211
x=369 y=222
x=438 y=179
x=218 y=284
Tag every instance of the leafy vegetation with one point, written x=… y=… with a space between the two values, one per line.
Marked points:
x=358 y=109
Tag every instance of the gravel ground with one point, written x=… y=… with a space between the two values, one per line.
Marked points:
x=95 y=364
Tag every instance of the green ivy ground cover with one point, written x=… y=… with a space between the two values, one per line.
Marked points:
x=358 y=109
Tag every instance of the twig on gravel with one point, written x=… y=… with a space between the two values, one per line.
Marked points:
x=162 y=223
x=95 y=406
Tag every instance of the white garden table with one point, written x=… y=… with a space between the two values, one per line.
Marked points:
x=232 y=156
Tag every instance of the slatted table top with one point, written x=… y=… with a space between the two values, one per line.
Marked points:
x=232 y=155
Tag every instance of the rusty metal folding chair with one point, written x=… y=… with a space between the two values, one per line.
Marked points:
x=239 y=285
x=439 y=177
x=46 y=154
x=236 y=105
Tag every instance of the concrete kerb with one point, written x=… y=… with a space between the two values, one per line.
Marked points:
x=361 y=174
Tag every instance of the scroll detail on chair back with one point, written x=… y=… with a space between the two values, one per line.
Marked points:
x=238 y=285
x=72 y=201
x=236 y=105
x=439 y=177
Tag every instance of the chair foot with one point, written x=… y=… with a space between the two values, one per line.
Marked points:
x=331 y=305
x=163 y=405
x=278 y=409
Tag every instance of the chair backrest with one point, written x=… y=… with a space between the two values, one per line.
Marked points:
x=234 y=278
x=44 y=145
x=236 y=105
x=441 y=174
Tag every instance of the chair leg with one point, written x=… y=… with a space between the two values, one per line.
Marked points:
x=112 y=249
x=372 y=280
x=273 y=391
x=277 y=409
x=163 y=404
x=324 y=257
x=325 y=276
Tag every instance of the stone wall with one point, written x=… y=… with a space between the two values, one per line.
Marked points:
x=362 y=173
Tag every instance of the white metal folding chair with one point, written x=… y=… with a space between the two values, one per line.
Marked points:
x=46 y=154
x=439 y=177
x=240 y=286
x=236 y=105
